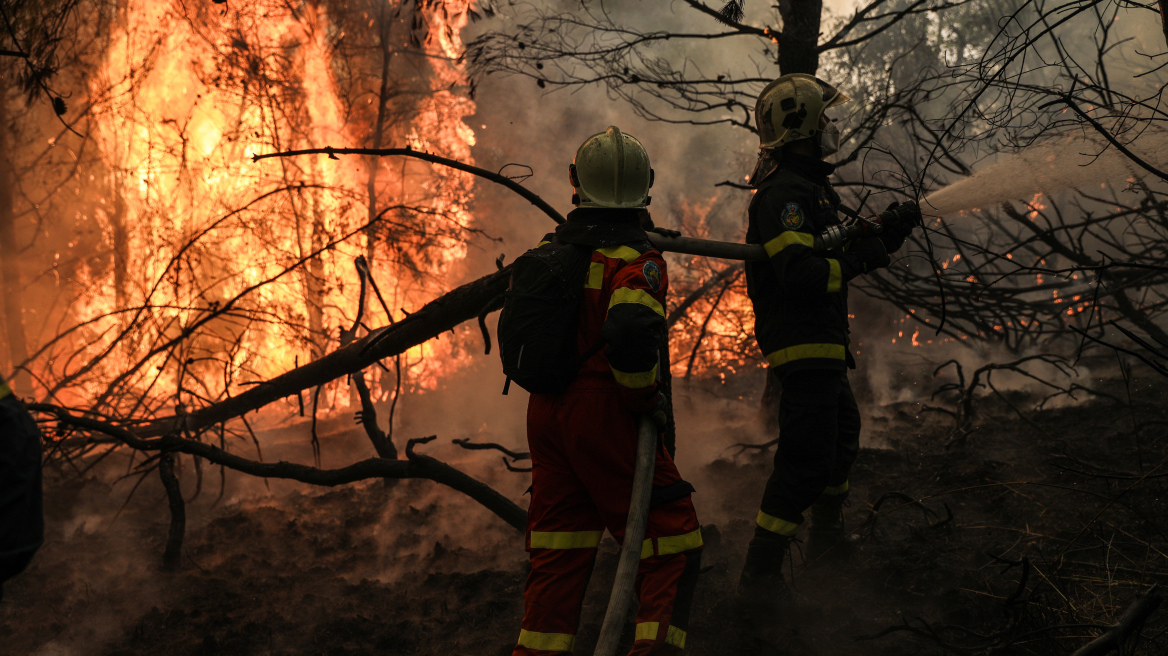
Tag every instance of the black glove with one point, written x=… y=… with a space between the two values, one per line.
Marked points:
x=666 y=232
x=865 y=255
x=898 y=221
x=893 y=234
x=909 y=215
x=660 y=412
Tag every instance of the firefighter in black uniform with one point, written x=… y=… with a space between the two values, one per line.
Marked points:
x=800 y=299
x=22 y=521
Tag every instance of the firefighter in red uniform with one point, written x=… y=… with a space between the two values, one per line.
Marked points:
x=583 y=441
x=801 y=323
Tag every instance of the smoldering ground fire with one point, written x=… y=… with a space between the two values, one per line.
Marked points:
x=179 y=312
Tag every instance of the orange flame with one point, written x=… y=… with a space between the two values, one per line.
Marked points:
x=184 y=100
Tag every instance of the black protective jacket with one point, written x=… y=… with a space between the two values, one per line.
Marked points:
x=22 y=522
x=800 y=297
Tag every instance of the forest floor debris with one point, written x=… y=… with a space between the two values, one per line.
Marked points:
x=1034 y=534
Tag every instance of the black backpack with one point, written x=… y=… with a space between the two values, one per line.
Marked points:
x=540 y=320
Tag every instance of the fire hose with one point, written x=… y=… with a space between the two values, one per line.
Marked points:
x=906 y=214
x=630 y=556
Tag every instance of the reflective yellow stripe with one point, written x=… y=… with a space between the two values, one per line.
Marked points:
x=565 y=539
x=776 y=525
x=595 y=276
x=804 y=351
x=836 y=490
x=639 y=296
x=619 y=253
x=5 y=390
x=546 y=641
x=635 y=380
x=835 y=277
x=648 y=631
x=543 y=243
x=788 y=238
x=673 y=544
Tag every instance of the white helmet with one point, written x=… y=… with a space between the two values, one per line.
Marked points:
x=611 y=169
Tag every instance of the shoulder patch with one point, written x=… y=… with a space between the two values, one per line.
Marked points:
x=792 y=216
x=652 y=275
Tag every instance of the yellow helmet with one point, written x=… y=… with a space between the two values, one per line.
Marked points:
x=789 y=109
x=611 y=169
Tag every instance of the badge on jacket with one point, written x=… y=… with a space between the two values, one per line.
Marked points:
x=652 y=275
x=793 y=216
x=824 y=201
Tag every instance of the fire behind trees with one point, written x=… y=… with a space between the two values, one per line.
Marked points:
x=188 y=284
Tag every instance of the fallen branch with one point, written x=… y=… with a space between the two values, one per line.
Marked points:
x=465 y=443
x=1128 y=626
x=874 y=512
x=515 y=456
x=436 y=317
x=415 y=466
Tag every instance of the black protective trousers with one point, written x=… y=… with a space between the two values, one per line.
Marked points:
x=819 y=438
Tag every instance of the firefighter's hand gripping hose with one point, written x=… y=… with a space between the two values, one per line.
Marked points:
x=630 y=557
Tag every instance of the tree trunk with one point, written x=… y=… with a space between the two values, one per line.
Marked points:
x=374 y=164
x=378 y=130
x=799 y=38
x=314 y=274
x=121 y=240
x=10 y=285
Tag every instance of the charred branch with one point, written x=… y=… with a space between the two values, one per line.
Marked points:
x=868 y=529
x=436 y=317
x=681 y=308
x=1128 y=628
x=172 y=556
x=367 y=415
x=427 y=157
x=415 y=466
x=509 y=457
x=964 y=412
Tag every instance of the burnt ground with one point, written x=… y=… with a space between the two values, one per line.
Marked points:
x=1058 y=520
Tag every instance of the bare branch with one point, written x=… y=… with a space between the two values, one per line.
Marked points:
x=416 y=466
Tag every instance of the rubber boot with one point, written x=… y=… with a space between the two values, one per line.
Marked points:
x=762 y=590
x=827 y=539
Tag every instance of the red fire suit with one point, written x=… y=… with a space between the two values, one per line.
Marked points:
x=583 y=445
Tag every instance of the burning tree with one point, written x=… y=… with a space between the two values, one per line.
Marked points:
x=179 y=273
x=173 y=279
